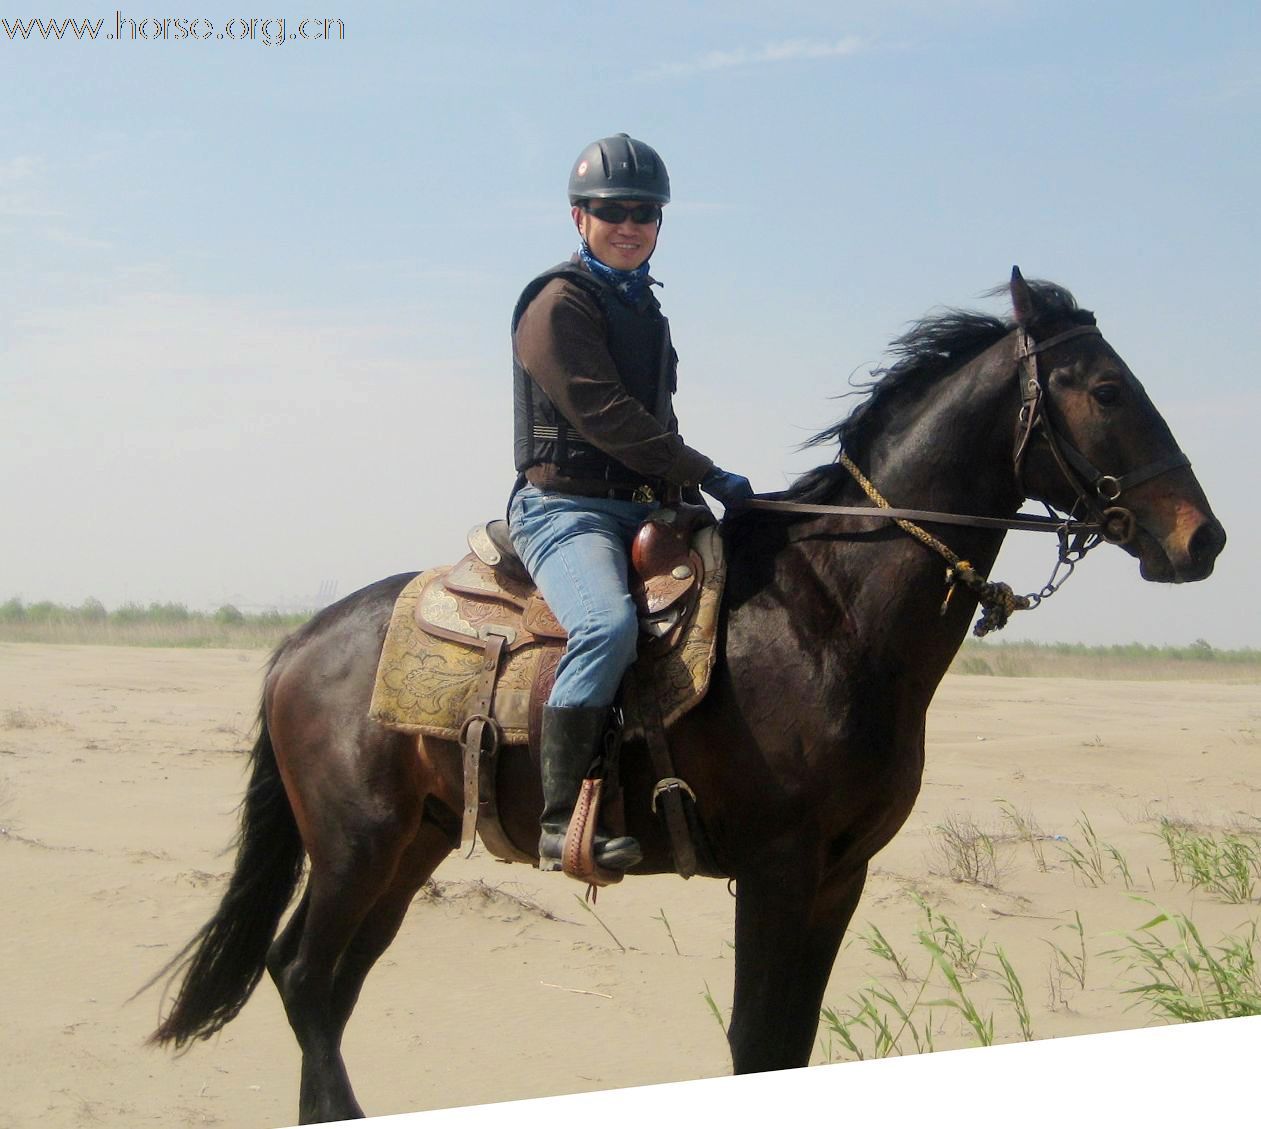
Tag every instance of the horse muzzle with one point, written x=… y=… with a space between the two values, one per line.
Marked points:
x=1185 y=555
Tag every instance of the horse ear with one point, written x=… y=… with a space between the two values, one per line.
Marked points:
x=1021 y=298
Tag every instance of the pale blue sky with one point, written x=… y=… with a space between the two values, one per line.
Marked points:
x=254 y=299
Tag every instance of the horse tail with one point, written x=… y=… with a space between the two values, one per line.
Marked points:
x=224 y=961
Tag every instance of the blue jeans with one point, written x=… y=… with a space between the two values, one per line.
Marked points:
x=577 y=551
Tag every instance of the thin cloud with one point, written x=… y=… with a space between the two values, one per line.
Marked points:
x=1238 y=88
x=19 y=168
x=785 y=51
x=20 y=182
x=65 y=238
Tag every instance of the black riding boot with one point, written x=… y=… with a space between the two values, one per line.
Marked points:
x=572 y=739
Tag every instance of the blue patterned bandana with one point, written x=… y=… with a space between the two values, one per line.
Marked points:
x=629 y=284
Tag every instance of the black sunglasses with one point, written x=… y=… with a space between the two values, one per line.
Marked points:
x=616 y=213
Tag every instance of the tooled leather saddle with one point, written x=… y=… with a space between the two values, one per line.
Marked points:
x=487 y=602
x=665 y=578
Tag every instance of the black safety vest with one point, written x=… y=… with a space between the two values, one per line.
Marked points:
x=639 y=343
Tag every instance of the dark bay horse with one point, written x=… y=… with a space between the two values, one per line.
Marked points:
x=806 y=754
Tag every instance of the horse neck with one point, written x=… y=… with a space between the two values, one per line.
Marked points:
x=948 y=447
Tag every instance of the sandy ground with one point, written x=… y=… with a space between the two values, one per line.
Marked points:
x=120 y=770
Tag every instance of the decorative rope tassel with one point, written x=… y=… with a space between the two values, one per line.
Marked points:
x=996 y=598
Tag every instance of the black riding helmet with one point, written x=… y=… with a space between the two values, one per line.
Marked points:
x=619 y=168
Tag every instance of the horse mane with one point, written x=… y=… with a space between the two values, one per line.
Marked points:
x=933 y=346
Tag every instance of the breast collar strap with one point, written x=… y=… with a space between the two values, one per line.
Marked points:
x=1095 y=490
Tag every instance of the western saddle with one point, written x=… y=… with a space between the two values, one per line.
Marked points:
x=488 y=601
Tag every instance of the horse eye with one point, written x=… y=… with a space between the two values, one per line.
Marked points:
x=1106 y=394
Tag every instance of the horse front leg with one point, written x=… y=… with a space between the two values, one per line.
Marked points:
x=789 y=926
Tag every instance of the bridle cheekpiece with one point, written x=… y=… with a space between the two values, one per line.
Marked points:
x=1094 y=489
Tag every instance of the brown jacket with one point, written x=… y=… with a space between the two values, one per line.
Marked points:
x=562 y=342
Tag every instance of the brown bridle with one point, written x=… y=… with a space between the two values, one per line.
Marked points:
x=1094 y=488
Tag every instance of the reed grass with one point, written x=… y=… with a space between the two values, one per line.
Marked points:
x=1185 y=980
x=968 y=853
x=1073 y=963
x=1166 y=966
x=878 y=945
x=1228 y=865
x=963 y=953
x=661 y=917
x=1026 y=830
x=152 y=625
x=589 y=908
x=1133 y=661
x=1097 y=862
x=1015 y=993
x=884 y=1019
x=708 y=997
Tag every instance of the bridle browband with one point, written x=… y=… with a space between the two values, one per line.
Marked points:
x=1112 y=523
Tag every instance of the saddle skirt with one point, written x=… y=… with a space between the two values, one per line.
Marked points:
x=434 y=657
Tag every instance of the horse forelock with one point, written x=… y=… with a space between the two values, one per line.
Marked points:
x=929 y=350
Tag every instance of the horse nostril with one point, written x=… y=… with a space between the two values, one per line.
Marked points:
x=1206 y=542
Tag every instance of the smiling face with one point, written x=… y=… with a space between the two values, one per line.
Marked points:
x=623 y=246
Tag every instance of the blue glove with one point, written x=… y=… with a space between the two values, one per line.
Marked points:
x=730 y=489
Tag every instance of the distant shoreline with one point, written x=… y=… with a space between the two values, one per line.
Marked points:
x=139 y=625
x=1126 y=661
x=1119 y=662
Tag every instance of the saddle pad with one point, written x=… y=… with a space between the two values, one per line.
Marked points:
x=424 y=684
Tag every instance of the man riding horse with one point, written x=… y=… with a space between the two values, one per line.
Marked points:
x=597 y=451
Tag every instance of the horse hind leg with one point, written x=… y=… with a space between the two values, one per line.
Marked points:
x=381 y=925
x=336 y=904
x=285 y=947
x=346 y=920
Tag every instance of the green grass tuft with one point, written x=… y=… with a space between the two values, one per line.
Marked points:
x=1183 y=979
x=1229 y=865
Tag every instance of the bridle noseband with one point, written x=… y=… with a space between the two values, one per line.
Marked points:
x=1092 y=486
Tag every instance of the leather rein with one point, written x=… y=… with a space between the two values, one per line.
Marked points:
x=1094 y=489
